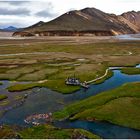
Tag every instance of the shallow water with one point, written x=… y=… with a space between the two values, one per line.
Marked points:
x=138 y=66
x=103 y=129
x=43 y=100
x=128 y=37
x=11 y=101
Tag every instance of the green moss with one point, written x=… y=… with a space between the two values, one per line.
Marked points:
x=50 y=132
x=3 y=97
x=119 y=106
x=130 y=71
x=9 y=76
x=56 y=77
x=38 y=75
x=57 y=85
x=128 y=115
x=21 y=87
x=1 y=83
x=60 y=86
x=20 y=71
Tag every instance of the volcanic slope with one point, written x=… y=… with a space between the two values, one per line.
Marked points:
x=88 y=19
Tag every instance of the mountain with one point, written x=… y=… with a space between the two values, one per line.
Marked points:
x=88 y=21
x=10 y=28
x=133 y=17
x=40 y=23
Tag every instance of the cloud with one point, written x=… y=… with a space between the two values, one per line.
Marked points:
x=25 y=13
x=18 y=11
x=15 y=2
x=12 y=23
x=45 y=13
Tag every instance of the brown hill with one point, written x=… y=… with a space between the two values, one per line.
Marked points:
x=133 y=17
x=88 y=21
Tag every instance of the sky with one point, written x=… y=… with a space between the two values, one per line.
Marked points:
x=25 y=13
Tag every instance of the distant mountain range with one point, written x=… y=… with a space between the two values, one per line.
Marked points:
x=10 y=29
x=88 y=21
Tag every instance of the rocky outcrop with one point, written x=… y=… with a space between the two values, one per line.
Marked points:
x=23 y=34
x=74 y=33
x=65 y=33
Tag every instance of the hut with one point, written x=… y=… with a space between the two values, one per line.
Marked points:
x=72 y=81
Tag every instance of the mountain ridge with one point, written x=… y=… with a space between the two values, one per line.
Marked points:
x=10 y=28
x=85 y=21
x=133 y=17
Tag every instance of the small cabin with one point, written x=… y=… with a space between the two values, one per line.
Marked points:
x=72 y=81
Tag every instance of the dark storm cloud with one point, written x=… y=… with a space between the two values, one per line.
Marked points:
x=18 y=11
x=46 y=14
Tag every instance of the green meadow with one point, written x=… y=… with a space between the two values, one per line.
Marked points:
x=119 y=106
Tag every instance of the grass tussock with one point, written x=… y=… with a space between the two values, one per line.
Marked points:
x=3 y=97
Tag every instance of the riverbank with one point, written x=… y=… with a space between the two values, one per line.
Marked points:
x=3 y=97
x=114 y=106
x=50 y=101
x=44 y=132
x=108 y=74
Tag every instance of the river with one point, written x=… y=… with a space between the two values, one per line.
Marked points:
x=43 y=100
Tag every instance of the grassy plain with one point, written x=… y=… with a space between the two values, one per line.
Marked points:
x=47 y=63
x=119 y=106
x=55 y=62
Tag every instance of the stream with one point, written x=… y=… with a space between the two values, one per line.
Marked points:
x=44 y=100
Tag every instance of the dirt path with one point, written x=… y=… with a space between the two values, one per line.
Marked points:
x=88 y=82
